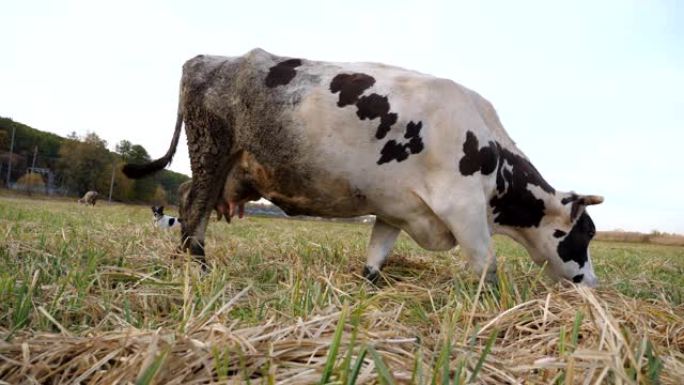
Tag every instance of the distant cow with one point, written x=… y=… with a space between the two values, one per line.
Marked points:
x=90 y=198
x=425 y=155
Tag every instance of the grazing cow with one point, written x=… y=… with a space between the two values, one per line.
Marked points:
x=425 y=155
x=90 y=198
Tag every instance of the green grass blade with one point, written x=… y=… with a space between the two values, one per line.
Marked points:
x=655 y=364
x=458 y=372
x=576 y=328
x=383 y=371
x=346 y=364
x=485 y=352
x=334 y=347
x=151 y=371
x=357 y=367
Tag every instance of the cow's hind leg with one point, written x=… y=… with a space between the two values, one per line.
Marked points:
x=203 y=195
x=209 y=156
x=382 y=239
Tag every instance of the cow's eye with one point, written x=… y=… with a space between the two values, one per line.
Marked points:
x=559 y=233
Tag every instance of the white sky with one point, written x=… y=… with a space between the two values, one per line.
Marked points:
x=592 y=91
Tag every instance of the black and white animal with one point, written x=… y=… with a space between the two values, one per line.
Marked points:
x=425 y=155
x=163 y=221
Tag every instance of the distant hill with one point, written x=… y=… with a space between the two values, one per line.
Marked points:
x=47 y=148
x=655 y=237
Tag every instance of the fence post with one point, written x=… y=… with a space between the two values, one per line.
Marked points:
x=9 y=163
x=111 y=184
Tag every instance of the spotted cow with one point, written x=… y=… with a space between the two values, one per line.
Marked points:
x=423 y=154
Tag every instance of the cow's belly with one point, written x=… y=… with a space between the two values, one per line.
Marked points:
x=390 y=198
x=303 y=189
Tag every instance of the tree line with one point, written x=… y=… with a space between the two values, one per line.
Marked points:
x=76 y=164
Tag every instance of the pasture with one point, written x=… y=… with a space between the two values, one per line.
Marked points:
x=96 y=295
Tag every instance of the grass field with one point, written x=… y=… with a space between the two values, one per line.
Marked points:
x=95 y=295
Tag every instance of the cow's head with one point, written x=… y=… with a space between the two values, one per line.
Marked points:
x=561 y=241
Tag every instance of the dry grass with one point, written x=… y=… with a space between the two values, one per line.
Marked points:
x=90 y=295
x=538 y=341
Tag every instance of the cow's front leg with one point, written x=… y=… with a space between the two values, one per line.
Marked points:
x=382 y=239
x=467 y=220
x=476 y=242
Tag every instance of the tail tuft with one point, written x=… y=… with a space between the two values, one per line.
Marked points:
x=137 y=171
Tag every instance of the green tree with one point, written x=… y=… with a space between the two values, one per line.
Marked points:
x=170 y=181
x=123 y=148
x=138 y=154
x=84 y=164
x=123 y=187
x=26 y=139
x=4 y=141
x=143 y=189
x=159 y=197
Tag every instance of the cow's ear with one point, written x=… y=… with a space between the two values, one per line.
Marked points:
x=589 y=200
x=581 y=201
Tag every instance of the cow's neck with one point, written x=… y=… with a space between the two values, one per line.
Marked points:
x=521 y=197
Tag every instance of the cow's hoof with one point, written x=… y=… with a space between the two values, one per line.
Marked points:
x=197 y=250
x=371 y=274
x=492 y=278
x=203 y=264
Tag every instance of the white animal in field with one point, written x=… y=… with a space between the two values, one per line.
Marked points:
x=163 y=221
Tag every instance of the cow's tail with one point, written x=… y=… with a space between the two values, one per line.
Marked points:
x=136 y=171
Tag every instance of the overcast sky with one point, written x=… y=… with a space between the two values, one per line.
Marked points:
x=592 y=91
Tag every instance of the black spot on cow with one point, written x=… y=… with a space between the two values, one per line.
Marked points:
x=523 y=170
x=559 y=233
x=282 y=73
x=475 y=159
x=400 y=151
x=413 y=130
x=415 y=144
x=518 y=208
x=393 y=151
x=576 y=205
x=350 y=87
x=374 y=106
x=578 y=278
x=575 y=246
x=573 y=197
x=515 y=205
x=172 y=221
